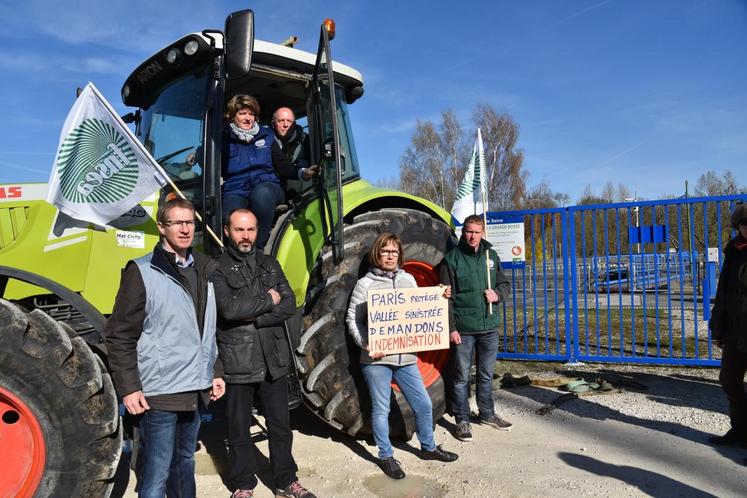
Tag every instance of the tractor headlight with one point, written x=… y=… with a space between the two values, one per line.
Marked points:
x=172 y=55
x=191 y=47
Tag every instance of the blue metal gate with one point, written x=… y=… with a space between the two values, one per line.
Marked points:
x=626 y=282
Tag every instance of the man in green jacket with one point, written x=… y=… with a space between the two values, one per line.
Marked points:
x=474 y=329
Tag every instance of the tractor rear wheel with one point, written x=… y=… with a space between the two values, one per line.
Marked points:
x=331 y=380
x=59 y=423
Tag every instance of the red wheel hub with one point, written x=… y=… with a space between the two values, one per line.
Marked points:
x=21 y=446
x=430 y=363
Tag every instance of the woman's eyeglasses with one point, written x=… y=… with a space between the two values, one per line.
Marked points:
x=387 y=254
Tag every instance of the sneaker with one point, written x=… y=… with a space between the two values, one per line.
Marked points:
x=294 y=490
x=243 y=493
x=731 y=438
x=463 y=431
x=438 y=454
x=497 y=422
x=391 y=467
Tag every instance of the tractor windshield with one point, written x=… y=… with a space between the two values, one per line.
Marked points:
x=172 y=128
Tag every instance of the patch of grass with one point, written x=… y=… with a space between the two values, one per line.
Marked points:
x=604 y=331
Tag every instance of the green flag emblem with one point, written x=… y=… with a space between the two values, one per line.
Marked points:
x=96 y=164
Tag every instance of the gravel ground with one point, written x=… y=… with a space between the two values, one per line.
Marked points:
x=649 y=442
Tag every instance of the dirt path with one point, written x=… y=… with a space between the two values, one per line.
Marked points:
x=634 y=443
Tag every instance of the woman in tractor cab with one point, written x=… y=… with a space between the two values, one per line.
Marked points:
x=253 y=165
x=386 y=258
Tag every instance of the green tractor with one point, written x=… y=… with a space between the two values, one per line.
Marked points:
x=60 y=430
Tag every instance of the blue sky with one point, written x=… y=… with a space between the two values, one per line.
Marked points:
x=647 y=93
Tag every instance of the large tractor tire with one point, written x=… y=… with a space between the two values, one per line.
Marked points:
x=331 y=381
x=59 y=423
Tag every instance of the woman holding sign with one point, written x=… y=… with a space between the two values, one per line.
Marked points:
x=386 y=257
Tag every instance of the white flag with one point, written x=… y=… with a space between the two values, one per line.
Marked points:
x=471 y=197
x=101 y=170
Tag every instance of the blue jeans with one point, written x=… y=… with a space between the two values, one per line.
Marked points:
x=165 y=462
x=262 y=201
x=379 y=378
x=485 y=346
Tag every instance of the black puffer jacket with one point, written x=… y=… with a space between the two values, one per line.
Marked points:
x=729 y=317
x=295 y=146
x=251 y=339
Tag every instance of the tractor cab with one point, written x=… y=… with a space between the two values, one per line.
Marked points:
x=180 y=93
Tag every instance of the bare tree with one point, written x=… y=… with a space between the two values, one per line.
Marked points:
x=710 y=183
x=434 y=163
x=421 y=166
x=506 y=182
x=623 y=192
x=456 y=152
x=608 y=192
x=541 y=196
x=589 y=197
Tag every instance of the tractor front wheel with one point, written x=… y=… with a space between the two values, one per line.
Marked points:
x=59 y=425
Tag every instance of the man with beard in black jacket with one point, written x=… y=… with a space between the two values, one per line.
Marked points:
x=254 y=299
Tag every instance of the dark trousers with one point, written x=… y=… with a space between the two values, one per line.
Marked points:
x=239 y=403
x=165 y=462
x=733 y=368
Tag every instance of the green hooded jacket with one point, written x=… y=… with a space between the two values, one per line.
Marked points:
x=465 y=270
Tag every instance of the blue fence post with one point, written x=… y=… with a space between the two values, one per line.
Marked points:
x=569 y=260
x=709 y=282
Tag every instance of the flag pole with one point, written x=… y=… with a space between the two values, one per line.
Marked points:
x=481 y=159
x=158 y=167
x=487 y=256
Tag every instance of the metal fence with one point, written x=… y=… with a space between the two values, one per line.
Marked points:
x=625 y=282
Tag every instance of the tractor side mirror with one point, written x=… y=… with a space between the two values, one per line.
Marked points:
x=239 y=43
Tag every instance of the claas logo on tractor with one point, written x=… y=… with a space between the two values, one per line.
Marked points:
x=7 y=192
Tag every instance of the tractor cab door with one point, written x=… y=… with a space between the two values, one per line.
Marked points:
x=325 y=146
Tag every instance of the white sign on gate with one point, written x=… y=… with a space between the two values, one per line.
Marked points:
x=507 y=237
x=508 y=241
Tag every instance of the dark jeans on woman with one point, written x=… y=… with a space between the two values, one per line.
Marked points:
x=485 y=346
x=733 y=368
x=165 y=461
x=262 y=201
x=239 y=403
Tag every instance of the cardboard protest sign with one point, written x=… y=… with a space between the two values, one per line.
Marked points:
x=407 y=320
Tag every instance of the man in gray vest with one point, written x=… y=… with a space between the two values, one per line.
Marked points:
x=162 y=352
x=474 y=329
